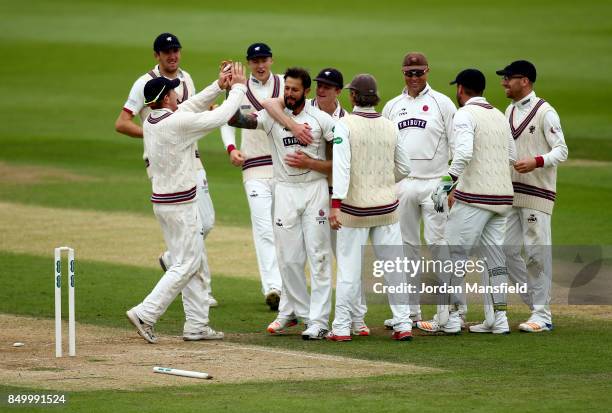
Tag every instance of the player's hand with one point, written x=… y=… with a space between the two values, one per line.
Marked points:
x=302 y=132
x=225 y=74
x=237 y=73
x=451 y=199
x=525 y=165
x=236 y=158
x=440 y=194
x=298 y=159
x=334 y=222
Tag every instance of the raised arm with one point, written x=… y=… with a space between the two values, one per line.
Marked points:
x=202 y=123
x=203 y=100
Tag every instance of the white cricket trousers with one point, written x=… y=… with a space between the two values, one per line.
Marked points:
x=349 y=290
x=207 y=218
x=360 y=308
x=301 y=231
x=415 y=205
x=469 y=227
x=182 y=229
x=259 y=195
x=531 y=228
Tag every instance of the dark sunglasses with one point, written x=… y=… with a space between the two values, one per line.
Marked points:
x=506 y=77
x=414 y=72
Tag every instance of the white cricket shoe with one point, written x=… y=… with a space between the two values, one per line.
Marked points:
x=145 y=330
x=206 y=334
x=360 y=329
x=212 y=302
x=415 y=318
x=279 y=325
x=453 y=325
x=500 y=326
x=535 y=326
x=314 y=333
x=273 y=299
x=389 y=324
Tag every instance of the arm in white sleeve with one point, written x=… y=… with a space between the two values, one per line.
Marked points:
x=341 y=167
x=449 y=110
x=275 y=108
x=402 y=162
x=463 y=133
x=512 y=154
x=386 y=112
x=228 y=136
x=202 y=101
x=556 y=140
x=204 y=122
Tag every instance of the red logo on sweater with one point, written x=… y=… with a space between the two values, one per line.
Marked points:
x=425 y=108
x=321 y=213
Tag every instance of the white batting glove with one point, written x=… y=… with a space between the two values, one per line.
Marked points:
x=440 y=194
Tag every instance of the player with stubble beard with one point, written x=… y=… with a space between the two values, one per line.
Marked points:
x=301 y=208
x=541 y=147
x=330 y=83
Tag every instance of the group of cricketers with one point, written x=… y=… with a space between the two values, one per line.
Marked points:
x=321 y=181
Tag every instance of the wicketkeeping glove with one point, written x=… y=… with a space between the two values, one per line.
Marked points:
x=440 y=194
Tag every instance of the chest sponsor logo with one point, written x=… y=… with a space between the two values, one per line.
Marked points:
x=412 y=123
x=291 y=141
x=245 y=107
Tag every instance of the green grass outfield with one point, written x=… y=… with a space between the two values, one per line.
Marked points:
x=68 y=66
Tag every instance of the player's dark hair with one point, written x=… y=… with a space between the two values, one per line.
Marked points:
x=364 y=101
x=472 y=92
x=299 y=73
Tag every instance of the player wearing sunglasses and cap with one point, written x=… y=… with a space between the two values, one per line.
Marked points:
x=424 y=119
x=541 y=148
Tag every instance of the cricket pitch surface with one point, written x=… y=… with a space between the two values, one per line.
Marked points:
x=112 y=358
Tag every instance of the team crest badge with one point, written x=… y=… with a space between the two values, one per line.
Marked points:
x=532 y=129
x=425 y=108
x=532 y=219
x=321 y=219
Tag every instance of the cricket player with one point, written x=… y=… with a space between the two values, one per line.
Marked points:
x=484 y=150
x=301 y=208
x=171 y=132
x=540 y=144
x=329 y=87
x=254 y=156
x=364 y=205
x=167 y=52
x=424 y=118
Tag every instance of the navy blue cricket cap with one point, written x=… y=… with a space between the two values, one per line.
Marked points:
x=258 y=50
x=472 y=79
x=519 y=67
x=166 y=41
x=331 y=77
x=156 y=89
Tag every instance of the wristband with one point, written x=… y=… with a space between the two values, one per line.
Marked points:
x=230 y=149
x=336 y=203
x=539 y=161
